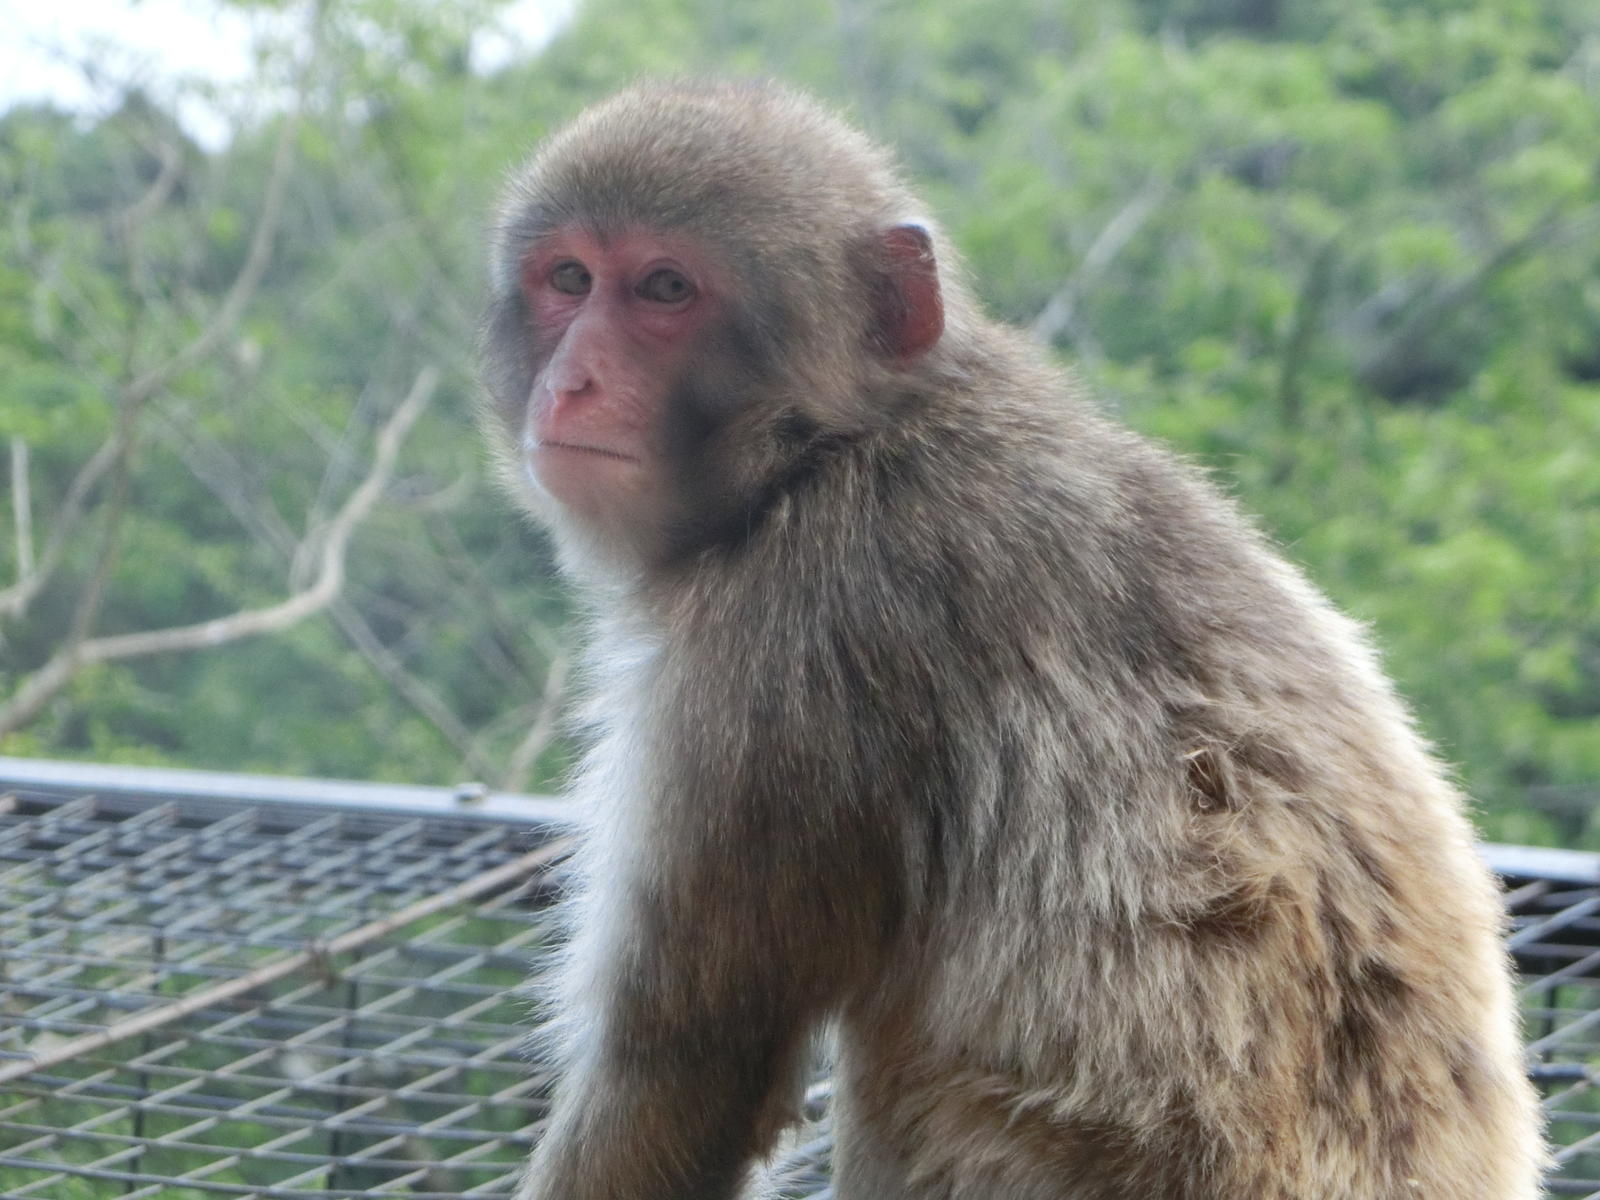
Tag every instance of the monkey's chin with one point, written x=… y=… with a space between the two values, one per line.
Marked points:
x=606 y=508
x=585 y=477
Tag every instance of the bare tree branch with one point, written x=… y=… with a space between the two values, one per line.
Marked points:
x=15 y=599
x=238 y=296
x=225 y=477
x=21 y=507
x=520 y=765
x=218 y=469
x=112 y=511
x=1313 y=297
x=1426 y=315
x=160 y=189
x=37 y=689
x=413 y=690
x=1057 y=315
x=502 y=652
x=518 y=870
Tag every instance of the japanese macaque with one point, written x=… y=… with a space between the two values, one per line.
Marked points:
x=929 y=705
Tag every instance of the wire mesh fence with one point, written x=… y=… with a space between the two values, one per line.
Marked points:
x=1556 y=940
x=207 y=992
x=267 y=1001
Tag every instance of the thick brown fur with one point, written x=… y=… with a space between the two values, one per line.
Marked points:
x=956 y=715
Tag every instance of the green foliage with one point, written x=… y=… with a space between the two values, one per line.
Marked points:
x=1343 y=253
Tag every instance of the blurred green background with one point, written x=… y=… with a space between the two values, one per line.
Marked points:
x=1345 y=253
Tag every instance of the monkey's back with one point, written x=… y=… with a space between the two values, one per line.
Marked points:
x=1183 y=907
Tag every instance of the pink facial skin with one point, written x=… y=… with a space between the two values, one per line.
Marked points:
x=615 y=322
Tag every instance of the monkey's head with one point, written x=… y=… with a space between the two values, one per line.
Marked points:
x=696 y=290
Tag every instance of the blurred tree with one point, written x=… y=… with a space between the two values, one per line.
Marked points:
x=208 y=360
x=1344 y=251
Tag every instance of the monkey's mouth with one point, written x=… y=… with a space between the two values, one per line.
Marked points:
x=579 y=448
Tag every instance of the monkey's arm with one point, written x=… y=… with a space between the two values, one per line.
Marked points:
x=663 y=1107
x=755 y=896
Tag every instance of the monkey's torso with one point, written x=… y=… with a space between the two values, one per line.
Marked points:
x=1134 y=879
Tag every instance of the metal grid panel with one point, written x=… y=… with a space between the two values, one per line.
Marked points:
x=1556 y=940
x=261 y=1001
x=204 y=997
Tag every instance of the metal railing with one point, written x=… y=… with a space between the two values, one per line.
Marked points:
x=233 y=986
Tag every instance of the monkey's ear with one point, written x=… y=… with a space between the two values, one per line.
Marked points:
x=910 y=311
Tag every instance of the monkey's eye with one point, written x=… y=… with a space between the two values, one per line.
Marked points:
x=570 y=277
x=665 y=286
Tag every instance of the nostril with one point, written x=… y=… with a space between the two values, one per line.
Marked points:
x=568 y=391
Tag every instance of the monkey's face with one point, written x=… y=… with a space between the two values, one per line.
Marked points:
x=694 y=300
x=616 y=325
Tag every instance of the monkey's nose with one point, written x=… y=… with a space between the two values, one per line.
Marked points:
x=573 y=390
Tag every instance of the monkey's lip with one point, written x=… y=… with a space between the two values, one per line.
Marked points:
x=580 y=448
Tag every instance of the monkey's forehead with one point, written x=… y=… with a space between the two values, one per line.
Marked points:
x=737 y=162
